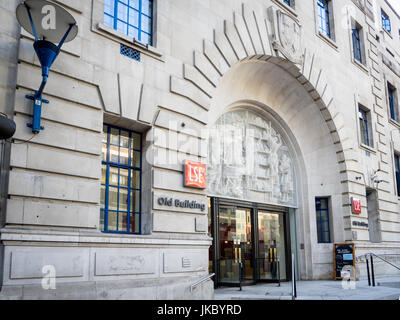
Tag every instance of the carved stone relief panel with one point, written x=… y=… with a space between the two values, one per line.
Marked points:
x=248 y=159
x=286 y=35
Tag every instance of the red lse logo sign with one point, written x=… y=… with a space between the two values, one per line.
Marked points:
x=356 y=205
x=195 y=175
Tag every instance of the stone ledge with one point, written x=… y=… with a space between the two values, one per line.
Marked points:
x=96 y=237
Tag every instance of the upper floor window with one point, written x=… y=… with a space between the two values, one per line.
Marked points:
x=365 y=127
x=357 y=44
x=324 y=17
x=131 y=17
x=288 y=2
x=397 y=167
x=323 y=220
x=120 y=209
x=386 y=21
x=393 y=103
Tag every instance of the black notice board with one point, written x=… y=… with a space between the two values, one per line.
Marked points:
x=343 y=255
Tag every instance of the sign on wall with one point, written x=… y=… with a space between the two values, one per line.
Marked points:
x=194 y=175
x=356 y=205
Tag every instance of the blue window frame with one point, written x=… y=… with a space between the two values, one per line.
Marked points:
x=357 y=45
x=120 y=200
x=392 y=104
x=323 y=17
x=323 y=223
x=397 y=166
x=386 y=21
x=288 y=2
x=131 y=17
x=364 y=127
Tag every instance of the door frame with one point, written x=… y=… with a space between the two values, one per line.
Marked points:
x=254 y=207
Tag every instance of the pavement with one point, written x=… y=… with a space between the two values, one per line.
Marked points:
x=387 y=288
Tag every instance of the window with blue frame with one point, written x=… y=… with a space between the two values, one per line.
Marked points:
x=323 y=220
x=392 y=97
x=120 y=198
x=357 y=45
x=288 y=2
x=365 y=127
x=397 y=166
x=323 y=17
x=386 y=21
x=131 y=17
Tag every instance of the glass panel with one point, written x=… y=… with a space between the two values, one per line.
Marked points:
x=135 y=159
x=134 y=223
x=123 y=222
x=114 y=154
x=134 y=4
x=114 y=137
x=123 y=177
x=113 y=176
x=112 y=221
x=109 y=7
x=235 y=242
x=134 y=18
x=229 y=270
x=122 y=27
x=124 y=139
x=101 y=220
x=108 y=21
x=135 y=179
x=103 y=174
x=133 y=32
x=136 y=141
x=271 y=255
x=124 y=156
x=146 y=24
x=113 y=198
x=104 y=152
x=122 y=12
x=102 y=197
x=123 y=199
x=146 y=7
x=145 y=38
x=135 y=201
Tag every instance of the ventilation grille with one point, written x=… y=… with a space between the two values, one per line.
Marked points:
x=130 y=52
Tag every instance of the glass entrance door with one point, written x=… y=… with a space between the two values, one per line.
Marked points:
x=235 y=245
x=251 y=242
x=271 y=257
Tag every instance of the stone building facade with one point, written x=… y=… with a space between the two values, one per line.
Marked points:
x=322 y=95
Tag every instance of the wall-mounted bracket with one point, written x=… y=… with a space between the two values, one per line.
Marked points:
x=37 y=111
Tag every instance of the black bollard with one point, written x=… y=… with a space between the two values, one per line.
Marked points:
x=369 y=277
x=372 y=271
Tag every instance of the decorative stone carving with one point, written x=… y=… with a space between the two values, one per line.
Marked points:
x=286 y=35
x=248 y=159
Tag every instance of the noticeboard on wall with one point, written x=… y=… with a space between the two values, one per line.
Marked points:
x=344 y=261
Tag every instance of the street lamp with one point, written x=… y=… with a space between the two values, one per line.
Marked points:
x=48 y=23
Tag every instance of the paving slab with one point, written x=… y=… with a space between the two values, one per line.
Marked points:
x=388 y=289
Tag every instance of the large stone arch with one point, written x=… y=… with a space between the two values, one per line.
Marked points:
x=247 y=38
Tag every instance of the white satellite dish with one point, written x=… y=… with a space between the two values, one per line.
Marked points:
x=42 y=13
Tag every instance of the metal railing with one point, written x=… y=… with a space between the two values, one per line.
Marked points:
x=369 y=261
x=205 y=278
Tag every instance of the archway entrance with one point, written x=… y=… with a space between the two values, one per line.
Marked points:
x=252 y=182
